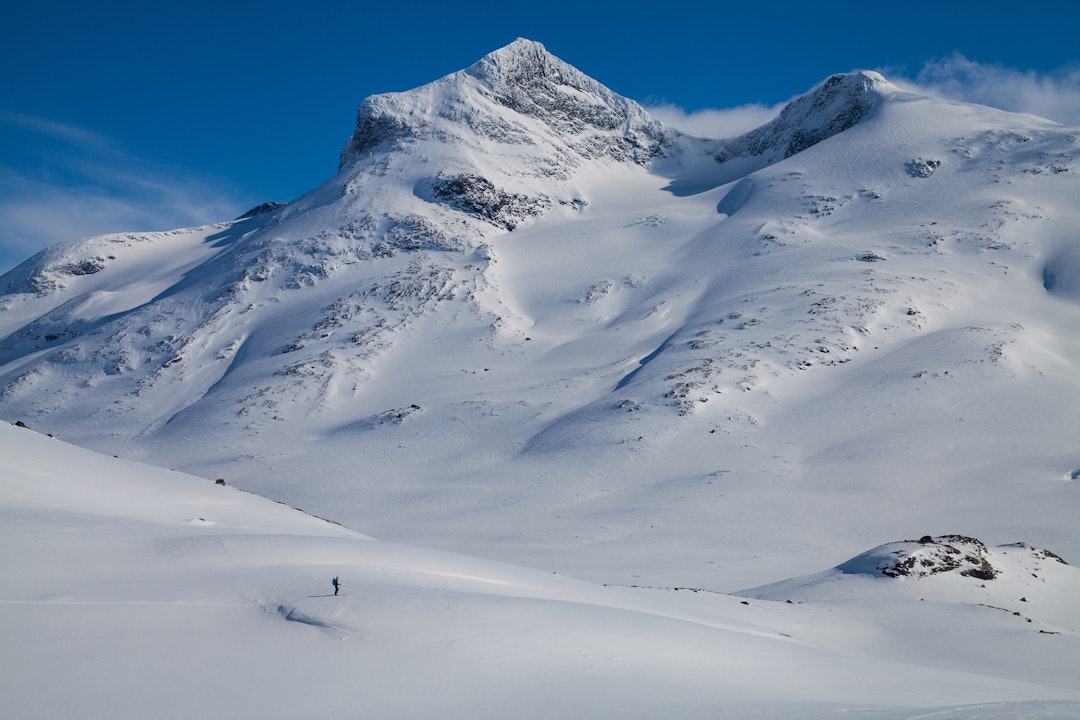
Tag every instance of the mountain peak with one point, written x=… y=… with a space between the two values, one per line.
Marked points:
x=870 y=79
x=528 y=63
x=526 y=78
x=835 y=105
x=520 y=49
x=529 y=82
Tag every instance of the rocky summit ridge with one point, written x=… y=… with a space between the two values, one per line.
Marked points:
x=591 y=119
x=834 y=106
x=534 y=86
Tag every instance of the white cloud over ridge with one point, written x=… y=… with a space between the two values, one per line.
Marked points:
x=715 y=122
x=84 y=185
x=1054 y=95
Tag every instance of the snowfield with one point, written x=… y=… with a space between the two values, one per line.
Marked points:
x=132 y=591
x=586 y=379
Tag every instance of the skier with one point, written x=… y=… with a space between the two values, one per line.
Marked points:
x=336 y=584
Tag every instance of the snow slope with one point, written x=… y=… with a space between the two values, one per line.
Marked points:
x=526 y=321
x=133 y=591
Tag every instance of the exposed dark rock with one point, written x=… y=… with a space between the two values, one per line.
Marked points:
x=260 y=210
x=83 y=267
x=376 y=124
x=920 y=168
x=395 y=416
x=415 y=232
x=529 y=80
x=834 y=106
x=926 y=556
x=479 y=197
x=1041 y=553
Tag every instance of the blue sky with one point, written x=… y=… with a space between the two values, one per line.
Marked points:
x=136 y=116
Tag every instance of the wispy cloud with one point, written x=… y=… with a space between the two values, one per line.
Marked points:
x=70 y=134
x=715 y=122
x=76 y=183
x=1054 y=95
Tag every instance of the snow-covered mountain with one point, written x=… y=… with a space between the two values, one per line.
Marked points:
x=527 y=321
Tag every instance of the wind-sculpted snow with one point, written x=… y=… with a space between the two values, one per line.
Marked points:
x=1061 y=274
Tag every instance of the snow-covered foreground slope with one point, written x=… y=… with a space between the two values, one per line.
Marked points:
x=132 y=591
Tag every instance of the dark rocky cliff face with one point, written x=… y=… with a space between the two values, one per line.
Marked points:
x=520 y=81
x=834 y=106
x=527 y=79
x=374 y=127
